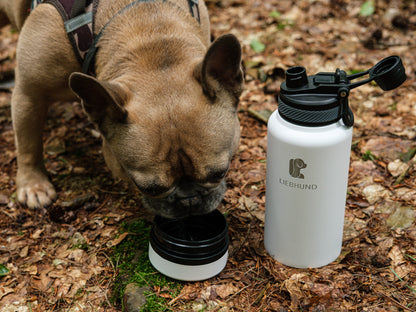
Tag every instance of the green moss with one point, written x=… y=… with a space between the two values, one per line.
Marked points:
x=133 y=266
x=368 y=155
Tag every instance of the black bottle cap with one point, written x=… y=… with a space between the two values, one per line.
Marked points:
x=322 y=99
x=389 y=73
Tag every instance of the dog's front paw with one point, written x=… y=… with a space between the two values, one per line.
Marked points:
x=35 y=191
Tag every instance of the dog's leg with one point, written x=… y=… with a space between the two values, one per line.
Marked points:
x=33 y=186
x=45 y=60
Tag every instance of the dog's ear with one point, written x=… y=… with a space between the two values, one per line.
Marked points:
x=221 y=67
x=100 y=99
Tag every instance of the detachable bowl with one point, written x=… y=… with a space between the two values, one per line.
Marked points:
x=389 y=73
x=189 y=249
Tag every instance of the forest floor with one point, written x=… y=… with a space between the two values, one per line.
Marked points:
x=62 y=258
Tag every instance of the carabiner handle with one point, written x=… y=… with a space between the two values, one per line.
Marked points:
x=346 y=112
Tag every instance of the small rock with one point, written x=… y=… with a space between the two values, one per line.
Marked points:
x=396 y=167
x=95 y=133
x=134 y=297
x=375 y=192
x=403 y=217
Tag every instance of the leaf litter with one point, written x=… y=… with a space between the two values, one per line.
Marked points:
x=59 y=259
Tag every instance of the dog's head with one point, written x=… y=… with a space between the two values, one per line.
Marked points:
x=172 y=131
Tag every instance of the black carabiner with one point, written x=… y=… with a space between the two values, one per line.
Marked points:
x=346 y=113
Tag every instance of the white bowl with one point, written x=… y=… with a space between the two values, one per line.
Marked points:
x=190 y=249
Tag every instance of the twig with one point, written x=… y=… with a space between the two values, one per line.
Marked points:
x=237 y=293
x=260 y=296
x=175 y=299
x=403 y=175
x=243 y=242
x=8 y=214
x=111 y=192
x=79 y=201
x=111 y=263
x=396 y=302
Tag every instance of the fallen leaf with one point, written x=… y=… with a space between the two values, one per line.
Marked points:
x=396 y=256
x=293 y=286
x=3 y=270
x=367 y=8
x=190 y=291
x=24 y=252
x=226 y=290
x=375 y=192
x=257 y=46
x=4 y=291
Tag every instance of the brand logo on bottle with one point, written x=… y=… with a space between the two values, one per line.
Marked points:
x=295 y=166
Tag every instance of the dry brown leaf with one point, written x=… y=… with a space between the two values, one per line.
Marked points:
x=225 y=290
x=190 y=291
x=4 y=291
x=294 y=288
x=396 y=256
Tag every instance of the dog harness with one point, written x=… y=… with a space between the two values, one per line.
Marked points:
x=78 y=17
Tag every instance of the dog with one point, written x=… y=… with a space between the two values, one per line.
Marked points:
x=163 y=97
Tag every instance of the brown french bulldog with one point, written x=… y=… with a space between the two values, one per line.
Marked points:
x=163 y=98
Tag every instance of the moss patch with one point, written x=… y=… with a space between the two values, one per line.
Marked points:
x=131 y=260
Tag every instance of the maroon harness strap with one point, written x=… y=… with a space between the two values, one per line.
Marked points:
x=82 y=37
x=78 y=17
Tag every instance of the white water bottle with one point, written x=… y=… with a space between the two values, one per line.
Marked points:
x=308 y=153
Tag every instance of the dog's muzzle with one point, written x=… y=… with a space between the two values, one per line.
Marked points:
x=188 y=198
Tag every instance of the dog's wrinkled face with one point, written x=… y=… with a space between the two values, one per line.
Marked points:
x=174 y=136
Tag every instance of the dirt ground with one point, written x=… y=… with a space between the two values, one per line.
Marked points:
x=57 y=259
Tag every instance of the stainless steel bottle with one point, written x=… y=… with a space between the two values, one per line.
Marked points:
x=308 y=151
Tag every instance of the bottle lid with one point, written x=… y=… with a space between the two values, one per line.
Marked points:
x=389 y=73
x=322 y=99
